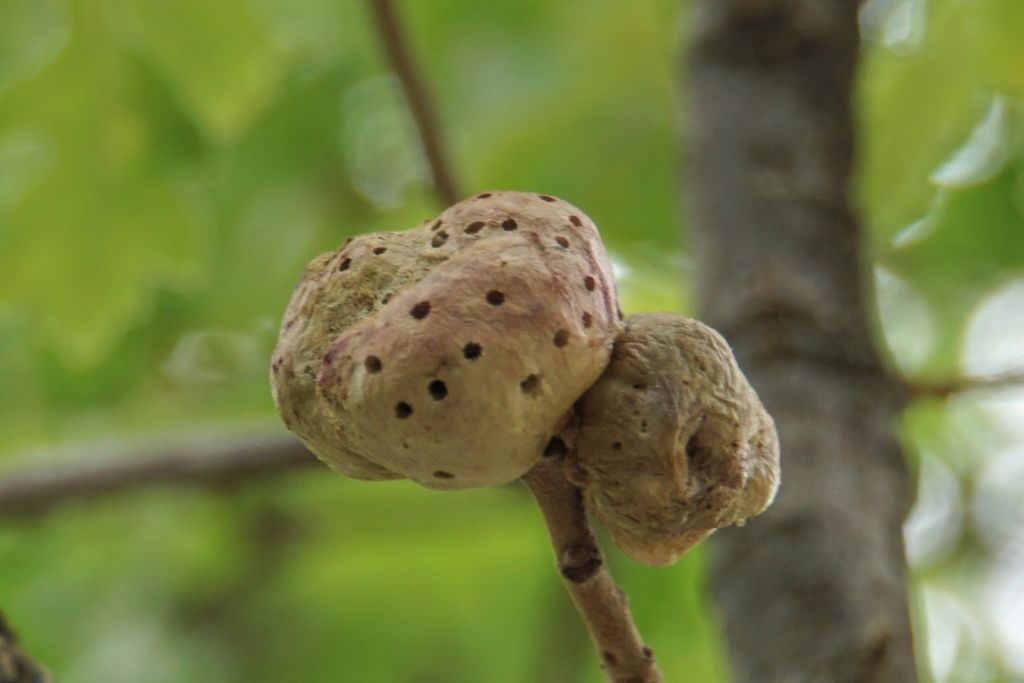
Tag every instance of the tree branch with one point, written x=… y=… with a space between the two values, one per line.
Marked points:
x=600 y=602
x=395 y=45
x=39 y=490
x=15 y=665
x=924 y=389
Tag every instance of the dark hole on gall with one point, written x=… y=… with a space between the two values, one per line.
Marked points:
x=562 y=242
x=439 y=239
x=547 y=197
x=495 y=298
x=561 y=338
x=639 y=387
x=588 y=320
x=474 y=228
x=380 y=250
x=438 y=389
x=483 y=195
x=575 y=220
x=441 y=474
x=530 y=385
x=472 y=351
x=610 y=658
x=617 y=445
x=436 y=225
x=345 y=263
x=403 y=410
x=692 y=448
x=556 y=448
x=589 y=283
x=509 y=224
x=373 y=364
x=420 y=310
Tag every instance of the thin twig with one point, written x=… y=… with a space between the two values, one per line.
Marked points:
x=419 y=102
x=600 y=602
x=38 y=490
x=924 y=389
x=15 y=664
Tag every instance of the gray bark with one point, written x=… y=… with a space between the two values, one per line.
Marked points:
x=813 y=590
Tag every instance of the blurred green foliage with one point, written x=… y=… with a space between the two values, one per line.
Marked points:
x=168 y=166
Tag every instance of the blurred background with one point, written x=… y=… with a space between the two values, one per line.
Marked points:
x=167 y=167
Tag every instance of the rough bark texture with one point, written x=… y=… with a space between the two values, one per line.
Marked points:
x=813 y=590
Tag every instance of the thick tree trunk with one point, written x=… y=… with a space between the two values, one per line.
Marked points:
x=814 y=590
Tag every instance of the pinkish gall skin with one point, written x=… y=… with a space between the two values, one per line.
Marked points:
x=448 y=353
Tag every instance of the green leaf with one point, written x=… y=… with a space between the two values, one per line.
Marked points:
x=32 y=32
x=998 y=27
x=90 y=215
x=216 y=57
x=984 y=154
x=974 y=244
x=318 y=33
x=916 y=108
